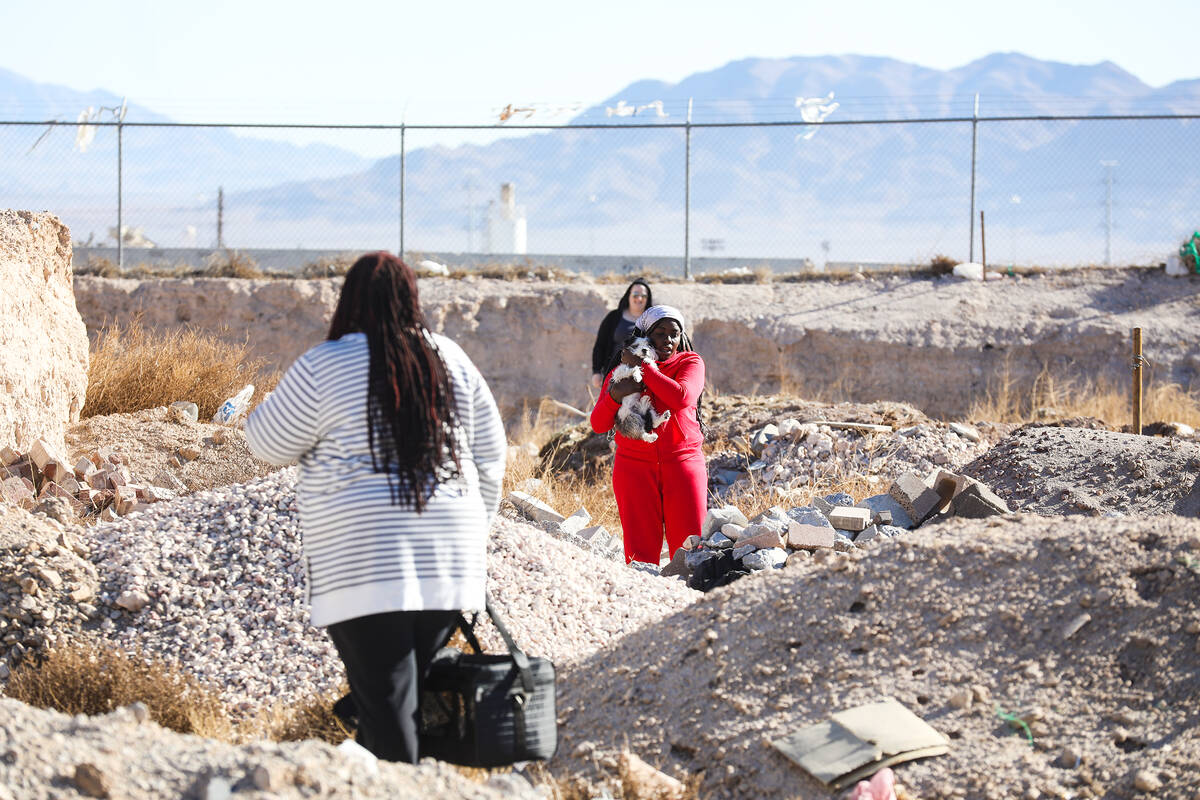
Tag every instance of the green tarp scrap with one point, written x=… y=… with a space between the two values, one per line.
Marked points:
x=854 y=743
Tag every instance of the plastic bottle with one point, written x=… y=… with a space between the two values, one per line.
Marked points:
x=234 y=407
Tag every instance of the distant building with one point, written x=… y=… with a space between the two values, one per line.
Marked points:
x=506 y=224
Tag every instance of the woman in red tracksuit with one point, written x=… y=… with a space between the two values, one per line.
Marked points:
x=660 y=486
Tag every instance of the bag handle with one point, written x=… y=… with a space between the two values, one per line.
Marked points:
x=518 y=656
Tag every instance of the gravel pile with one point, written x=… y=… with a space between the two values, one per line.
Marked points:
x=123 y=755
x=214 y=583
x=1071 y=470
x=1089 y=633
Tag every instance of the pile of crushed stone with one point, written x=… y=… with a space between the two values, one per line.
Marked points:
x=124 y=755
x=214 y=583
x=1088 y=633
x=1071 y=470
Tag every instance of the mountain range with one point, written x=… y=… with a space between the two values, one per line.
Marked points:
x=865 y=186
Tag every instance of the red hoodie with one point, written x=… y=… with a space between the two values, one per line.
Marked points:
x=673 y=385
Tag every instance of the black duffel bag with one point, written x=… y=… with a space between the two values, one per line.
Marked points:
x=482 y=710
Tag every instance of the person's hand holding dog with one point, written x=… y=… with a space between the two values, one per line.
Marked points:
x=619 y=390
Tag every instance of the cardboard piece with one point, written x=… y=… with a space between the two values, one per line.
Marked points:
x=855 y=743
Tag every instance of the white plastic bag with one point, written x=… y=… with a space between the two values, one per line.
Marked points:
x=969 y=270
x=234 y=407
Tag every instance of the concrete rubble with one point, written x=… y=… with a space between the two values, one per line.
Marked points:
x=97 y=487
x=730 y=545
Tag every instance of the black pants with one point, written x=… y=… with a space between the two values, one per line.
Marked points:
x=387 y=657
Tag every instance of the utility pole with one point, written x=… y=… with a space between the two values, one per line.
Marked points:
x=974 y=143
x=220 y=217
x=1108 y=225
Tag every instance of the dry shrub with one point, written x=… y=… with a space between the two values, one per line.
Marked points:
x=133 y=368
x=1102 y=398
x=942 y=265
x=329 y=267
x=99 y=267
x=88 y=679
x=231 y=264
x=311 y=718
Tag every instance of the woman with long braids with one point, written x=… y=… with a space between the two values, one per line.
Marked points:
x=401 y=455
x=661 y=486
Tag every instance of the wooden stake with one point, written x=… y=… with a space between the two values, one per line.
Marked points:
x=982 y=244
x=1137 y=380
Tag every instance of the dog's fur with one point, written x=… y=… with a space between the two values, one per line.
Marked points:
x=636 y=418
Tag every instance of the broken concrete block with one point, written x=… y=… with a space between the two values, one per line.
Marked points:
x=8 y=456
x=881 y=518
x=842 y=543
x=576 y=522
x=718 y=517
x=774 y=517
x=965 y=431
x=533 y=508
x=769 y=558
x=978 y=501
x=69 y=484
x=98 y=479
x=915 y=496
x=809 y=537
x=948 y=484
x=762 y=437
x=596 y=536
x=808 y=515
x=850 y=518
x=732 y=530
x=764 y=538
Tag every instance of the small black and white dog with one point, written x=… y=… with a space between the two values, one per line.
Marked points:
x=636 y=418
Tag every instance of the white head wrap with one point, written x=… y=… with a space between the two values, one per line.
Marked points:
x=655 y=314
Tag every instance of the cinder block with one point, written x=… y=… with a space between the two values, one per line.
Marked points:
x=849 y=518
x=809 y=537
x=83 y=468
x=978 y=501
x=915 y=496
x=764 y=539
x=949 y=484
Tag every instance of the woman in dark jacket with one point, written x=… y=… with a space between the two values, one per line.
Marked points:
x=617 y=325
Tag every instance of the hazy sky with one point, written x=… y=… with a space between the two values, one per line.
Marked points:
x=360 y=61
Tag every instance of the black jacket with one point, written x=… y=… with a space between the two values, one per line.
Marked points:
x=604 y=348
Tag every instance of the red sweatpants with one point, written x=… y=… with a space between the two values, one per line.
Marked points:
x=657 y=496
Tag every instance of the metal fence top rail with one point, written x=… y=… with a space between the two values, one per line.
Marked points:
x=607 y=125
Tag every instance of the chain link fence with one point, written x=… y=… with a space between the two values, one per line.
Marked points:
x=1055 y=191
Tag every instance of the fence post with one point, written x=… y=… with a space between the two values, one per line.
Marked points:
x=120 y=198
x=974 y=139
x=687 y=194
x=402 y=165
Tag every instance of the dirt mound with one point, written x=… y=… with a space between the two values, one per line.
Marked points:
x=148 y=438
x=1087 y=632
x=1059 y=470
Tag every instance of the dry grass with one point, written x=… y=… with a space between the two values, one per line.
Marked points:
x=311 y=718
x=1105 y=399
x=231 y=264
x=133 y=367
x=78 y=679
x=564 y=492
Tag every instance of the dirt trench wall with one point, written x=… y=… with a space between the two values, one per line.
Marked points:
x=937 y=343
x=43 y=344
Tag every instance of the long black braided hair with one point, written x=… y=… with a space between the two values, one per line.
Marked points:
x=411 y=409
x=685 y=346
